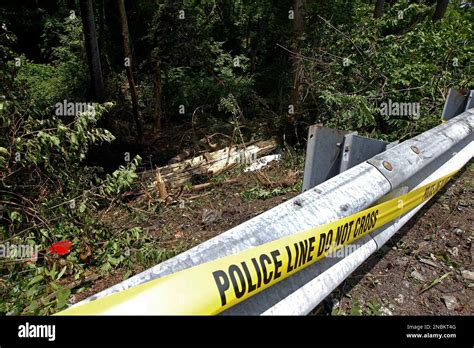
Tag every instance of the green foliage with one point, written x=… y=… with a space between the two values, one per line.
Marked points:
x=261 y=193
x=373 y=308
x=258 y=192
x=121 y=178
x=48 y=194
x=355 y=308
x=403 y=57
x=65 y=78
x=199 y=71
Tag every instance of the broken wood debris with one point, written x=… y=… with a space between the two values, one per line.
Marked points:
x=211 y=163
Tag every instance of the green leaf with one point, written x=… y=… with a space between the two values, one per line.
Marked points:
x=82 y=207
x=113 y=261
x=374 y=308
x=62 y=296
x=55 y=286
x=15 y=216
x=61 y=273
x=126 y=275
x=52 y=272
x=355 y=309
x=35 y=280
x=32 y=308
x=55 y=140
x=74 y=139
x=44 y=232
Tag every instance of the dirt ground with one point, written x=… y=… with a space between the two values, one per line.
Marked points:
x=423 y=270
x=207 y=213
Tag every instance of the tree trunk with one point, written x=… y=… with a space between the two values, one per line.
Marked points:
x=101 y=25
x=128 y=67
x=441 y=7
x=157 y=95
x=92 y=50
x=378 y=12
x=298 y=28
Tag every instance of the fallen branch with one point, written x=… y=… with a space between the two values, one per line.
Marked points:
x=434 y=282
x=211 y=163
x=75 y=284
x=206 y=185
x=198 y=196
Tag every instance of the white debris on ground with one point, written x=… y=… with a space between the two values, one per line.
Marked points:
x=468 y=275
x=385 y=311
x=262 y=162
x=450 y=302
x=417 y=275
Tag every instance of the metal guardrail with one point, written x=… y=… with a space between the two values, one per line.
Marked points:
x=312 y=293
x=357 y=188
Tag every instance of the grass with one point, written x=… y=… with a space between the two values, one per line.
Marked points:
x=258 y=192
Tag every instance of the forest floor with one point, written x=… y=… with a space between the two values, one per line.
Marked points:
x=435 y=246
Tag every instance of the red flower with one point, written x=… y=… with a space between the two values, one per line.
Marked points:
x=60 y=248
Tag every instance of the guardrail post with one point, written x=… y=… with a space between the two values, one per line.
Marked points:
x=456 y=103
x=358 y=149
x=323 y=155
x=330 y=152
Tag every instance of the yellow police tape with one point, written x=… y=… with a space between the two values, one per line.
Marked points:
x=214 y=286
